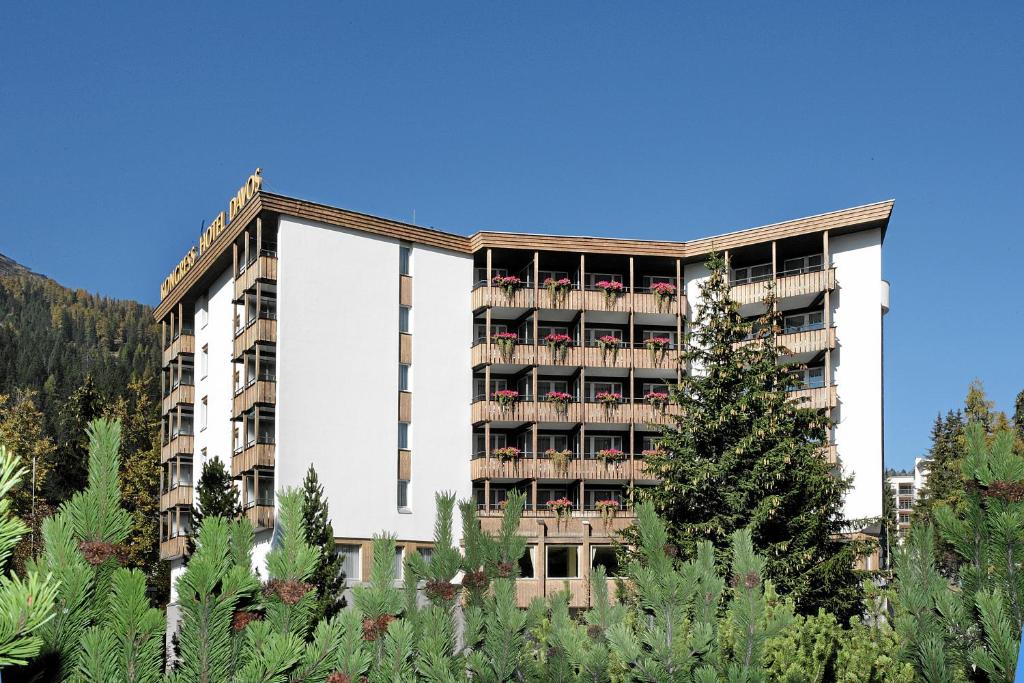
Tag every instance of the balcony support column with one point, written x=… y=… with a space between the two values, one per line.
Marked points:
x=487 y=495
x=490 y=277
x=533 y=506
x=536 y=279
x=632 y=297
x=585 y=562
x=583 y=275
x=533 y=446
x=540 y=569
x=259 y=236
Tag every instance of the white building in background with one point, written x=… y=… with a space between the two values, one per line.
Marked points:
x=401 y=361
x=907 y=487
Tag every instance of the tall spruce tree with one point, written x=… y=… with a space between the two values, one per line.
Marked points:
x=68 y=471
x=216 y=495
x=945 y=483
x=328 y=576
x=747 y=455
x=1018 y=422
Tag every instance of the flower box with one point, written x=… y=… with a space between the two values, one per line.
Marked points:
x=506 y=398
x=612 y=289
x=562 y=507
x=610 y=455
x=507 y=453
x=508 y=284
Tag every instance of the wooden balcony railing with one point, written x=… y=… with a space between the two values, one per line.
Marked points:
x=183 y=393
x=182 y=444
x=576 y=299
x=178 y=496
x=520 y=354
x=254 y=455
x=803 y=342
x=647 y=302
x=261 y=516
x=607 y=412
x=820 y=398
x=596 y=300
x=263 y=269
x=258 y=392
x=173 y=548
x=571 y=356
x=184 y=343
x=786 y=286
x=612 y=357
x=521 y=297
x=562 y=530
x=260 y=330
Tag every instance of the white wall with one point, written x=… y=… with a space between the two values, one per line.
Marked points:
x=337 y=400
x=857 y=367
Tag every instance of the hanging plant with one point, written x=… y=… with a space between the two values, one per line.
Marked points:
x=561 y=400
x=558 y=289
x=559 y=460
x=562 y=507
x=559 y=345
x=611 y=289
x=507 y=453
x=657 y=346
x=658 y=399
x=608 y=509
x=664 y=292
x=654 y=452
x=609 y=342
x=506 y=398
x=506 y=343
x=609 y=399
x=610 y=455
x=508 y=284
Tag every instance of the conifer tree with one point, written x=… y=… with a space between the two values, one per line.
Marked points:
x=26 y=604
x=328 y=577
x=216 y=495
x=68 y=470
x=976 y=626
x=747 y=455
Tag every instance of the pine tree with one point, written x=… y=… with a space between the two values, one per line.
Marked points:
x=68 y=469
x=1018 y=422
x=26 y=604
x=944 y=485
x=216 y=495
x=747 y=455
x=949 y=631
x=328 y=577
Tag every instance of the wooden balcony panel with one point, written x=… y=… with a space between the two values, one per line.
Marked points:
x=564 y=301
x=183 y=444
x=597 y=357
x=261 y=516
x=256 y=455
x=641 y=472
x=495 y=468
x=600 y=412
x=404 y=347
x=263 y=269
x=522 y=297
x=173 y=548
x=546 y=469
x=597 y=301
x=599 y=469
x=262 y=330
x=490 y=411
x=553 y=412
x=405 y=290
x=522 y=354
x=262 y=392
x=568 y=357
x=829 y=454
x=667 y=359
x=579 y=590
x=647 y=302
x=821 y=398
x=183 y=393
x=808 y=341
x=786 y=286
x=178 y=496
x=405 y=406
x=185 y=343
x=562 y=531
x=404 y=464
x=645 y=413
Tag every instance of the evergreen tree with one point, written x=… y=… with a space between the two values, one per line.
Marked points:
x=216 y=495
x=68 y=470
x=944 y=485
x=953 y=632
x=328 y=576
x=747 y=455
x=1018 y=421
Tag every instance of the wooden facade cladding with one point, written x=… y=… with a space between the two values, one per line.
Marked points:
x=575 y=300
x=262 y=269
x=404 y=406
x=405 y=290
x=786 y=286
x=260 y=330
x=178 y=496
x=625 y=412
x=183 y=343
x=182 y=444
x=820 y=398
x=252 y=456
x=404 y=348
x=258 y=392
x=575 y=356
x=808 y=341
x=261 y=516
x=173 y=548
x=183 y=393
x=542 y=523
x=575 y=469
x=520 y=354
x=404 y=464
x=829 y=454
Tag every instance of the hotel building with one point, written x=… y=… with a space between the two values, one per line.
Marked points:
x=907 y=487
x=400 y=361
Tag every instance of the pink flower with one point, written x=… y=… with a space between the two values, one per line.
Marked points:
x=506 y=452
x=656 y=397
x=610 y=285
x=653 y=452
x=559 y=397
x=657 y=342
x=560 y=282
x=560 y=505
x=558 y=338
x=507 y=280
x=609 y=340
x=507 y=394
x=609 y=503
x=663 y=288
x=509 y=336
x=608 y=396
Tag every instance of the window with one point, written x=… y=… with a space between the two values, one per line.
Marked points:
x=544 y=330
x=906 y=504
x=403 y=435
x=558 y=442
x=604 y=555
x=649 y=443
x=594 y=278
x=426 y=553
x=667 y=334
x=801 y=322
x=649 y=280
x=404 y=259
x=480 y=274
x=563 y=562
x=546 y=386
x=399 y=562
x=204 y=311
x=526 y=563
x=595 y=388
x=811 y=378
x=480 y=331
x=648 y=387
x=404 y=313
x=203 y=413
x=802 y=264
x=403 y=495
x=479 y=384
x=596 y=494
x=497 y=441
x=758 y=273
x=204 y=361
x=595 y=333
x=553 y=274
x=350 y=556
x=904 y=518
x=403 y=377
x=906 y=489
x=602 y=443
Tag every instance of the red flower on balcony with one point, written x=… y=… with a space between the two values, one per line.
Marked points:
x=559 y=344
x=508 y=283
x=654 y=452
x=506 y=398
x=611 y=288
x=557 y=288
x=559 y=398
x=562 y=507
x=663 y=288
x=607 y=508
x=658 y=399
x=506 y=343
x=609 y=398
x=610 y=455
x=506 y=453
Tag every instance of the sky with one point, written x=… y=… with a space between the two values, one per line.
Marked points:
x=123 y=130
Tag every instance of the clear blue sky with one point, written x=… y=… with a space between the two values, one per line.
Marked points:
x=122 y=131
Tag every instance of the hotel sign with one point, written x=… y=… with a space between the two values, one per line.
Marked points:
x=217 y=226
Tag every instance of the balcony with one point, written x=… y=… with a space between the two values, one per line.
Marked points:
x=620 y=412
x=261 y=516
x=520 y=354
x=787 y=286
x=262 y=269
x=183 y=343
x=263 y=392
x=647 y=413
x=571 y=300
x=256 y=454
x=819 y=398
x=178 y=496
x=592 y=299
x=647 y=302
x=177 y=444
x=484 y=296
x=641 y=472
x=173 y=548
x=525 y=410
x=596 y=300
x=562 y=530
x=180 y=393
x=803 y=342
x=613 y=357
x=522 y=467
x=829 y=454
x=259 y=330
x=570 y=356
